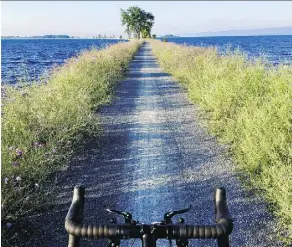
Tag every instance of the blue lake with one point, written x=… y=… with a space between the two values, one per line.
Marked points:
x=30 y=59
x=277 y=49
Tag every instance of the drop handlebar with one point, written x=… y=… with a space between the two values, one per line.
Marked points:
x=149 y=233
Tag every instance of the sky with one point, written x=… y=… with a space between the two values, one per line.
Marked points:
x=87 y=19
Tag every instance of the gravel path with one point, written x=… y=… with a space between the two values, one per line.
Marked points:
x=154 y=156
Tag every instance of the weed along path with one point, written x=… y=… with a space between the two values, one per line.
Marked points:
x=154 y=156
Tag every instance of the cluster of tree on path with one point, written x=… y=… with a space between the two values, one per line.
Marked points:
x=138 y=22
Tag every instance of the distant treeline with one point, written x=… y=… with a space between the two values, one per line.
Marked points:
x=59 y=37
x=39 y=37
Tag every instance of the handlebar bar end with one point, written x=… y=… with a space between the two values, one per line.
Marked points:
x=221 y=208
x=79 y=192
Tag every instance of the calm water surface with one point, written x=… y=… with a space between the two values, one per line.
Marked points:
x=30 y=59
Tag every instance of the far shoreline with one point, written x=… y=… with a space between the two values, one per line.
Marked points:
x=160 y=37
x=60 y=38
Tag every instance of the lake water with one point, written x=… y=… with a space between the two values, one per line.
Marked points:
x=277 y=49
x=29 y=59
x=32 y=58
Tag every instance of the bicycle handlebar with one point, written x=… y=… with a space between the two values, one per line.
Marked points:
x=173 y=231
x=223 y=226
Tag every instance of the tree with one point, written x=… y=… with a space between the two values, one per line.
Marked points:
x=153 y=36
x=137 y=22
x=147 y=25
x=145 y=33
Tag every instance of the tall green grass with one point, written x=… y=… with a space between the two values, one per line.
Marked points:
x=41 y=122
x=249 y=105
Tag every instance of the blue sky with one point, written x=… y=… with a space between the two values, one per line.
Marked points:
x=87 y=19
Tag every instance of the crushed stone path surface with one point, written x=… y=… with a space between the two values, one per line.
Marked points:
x=154 y=156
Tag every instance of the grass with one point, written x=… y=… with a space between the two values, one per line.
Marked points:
x=41 y=123
x=249 y=106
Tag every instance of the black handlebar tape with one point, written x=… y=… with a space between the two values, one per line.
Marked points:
x=75 y=212
x=209 y=231
x=134 y=231
x=103 y=231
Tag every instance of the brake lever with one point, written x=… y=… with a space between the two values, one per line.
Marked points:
x=169 y=215
x=128 y=217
